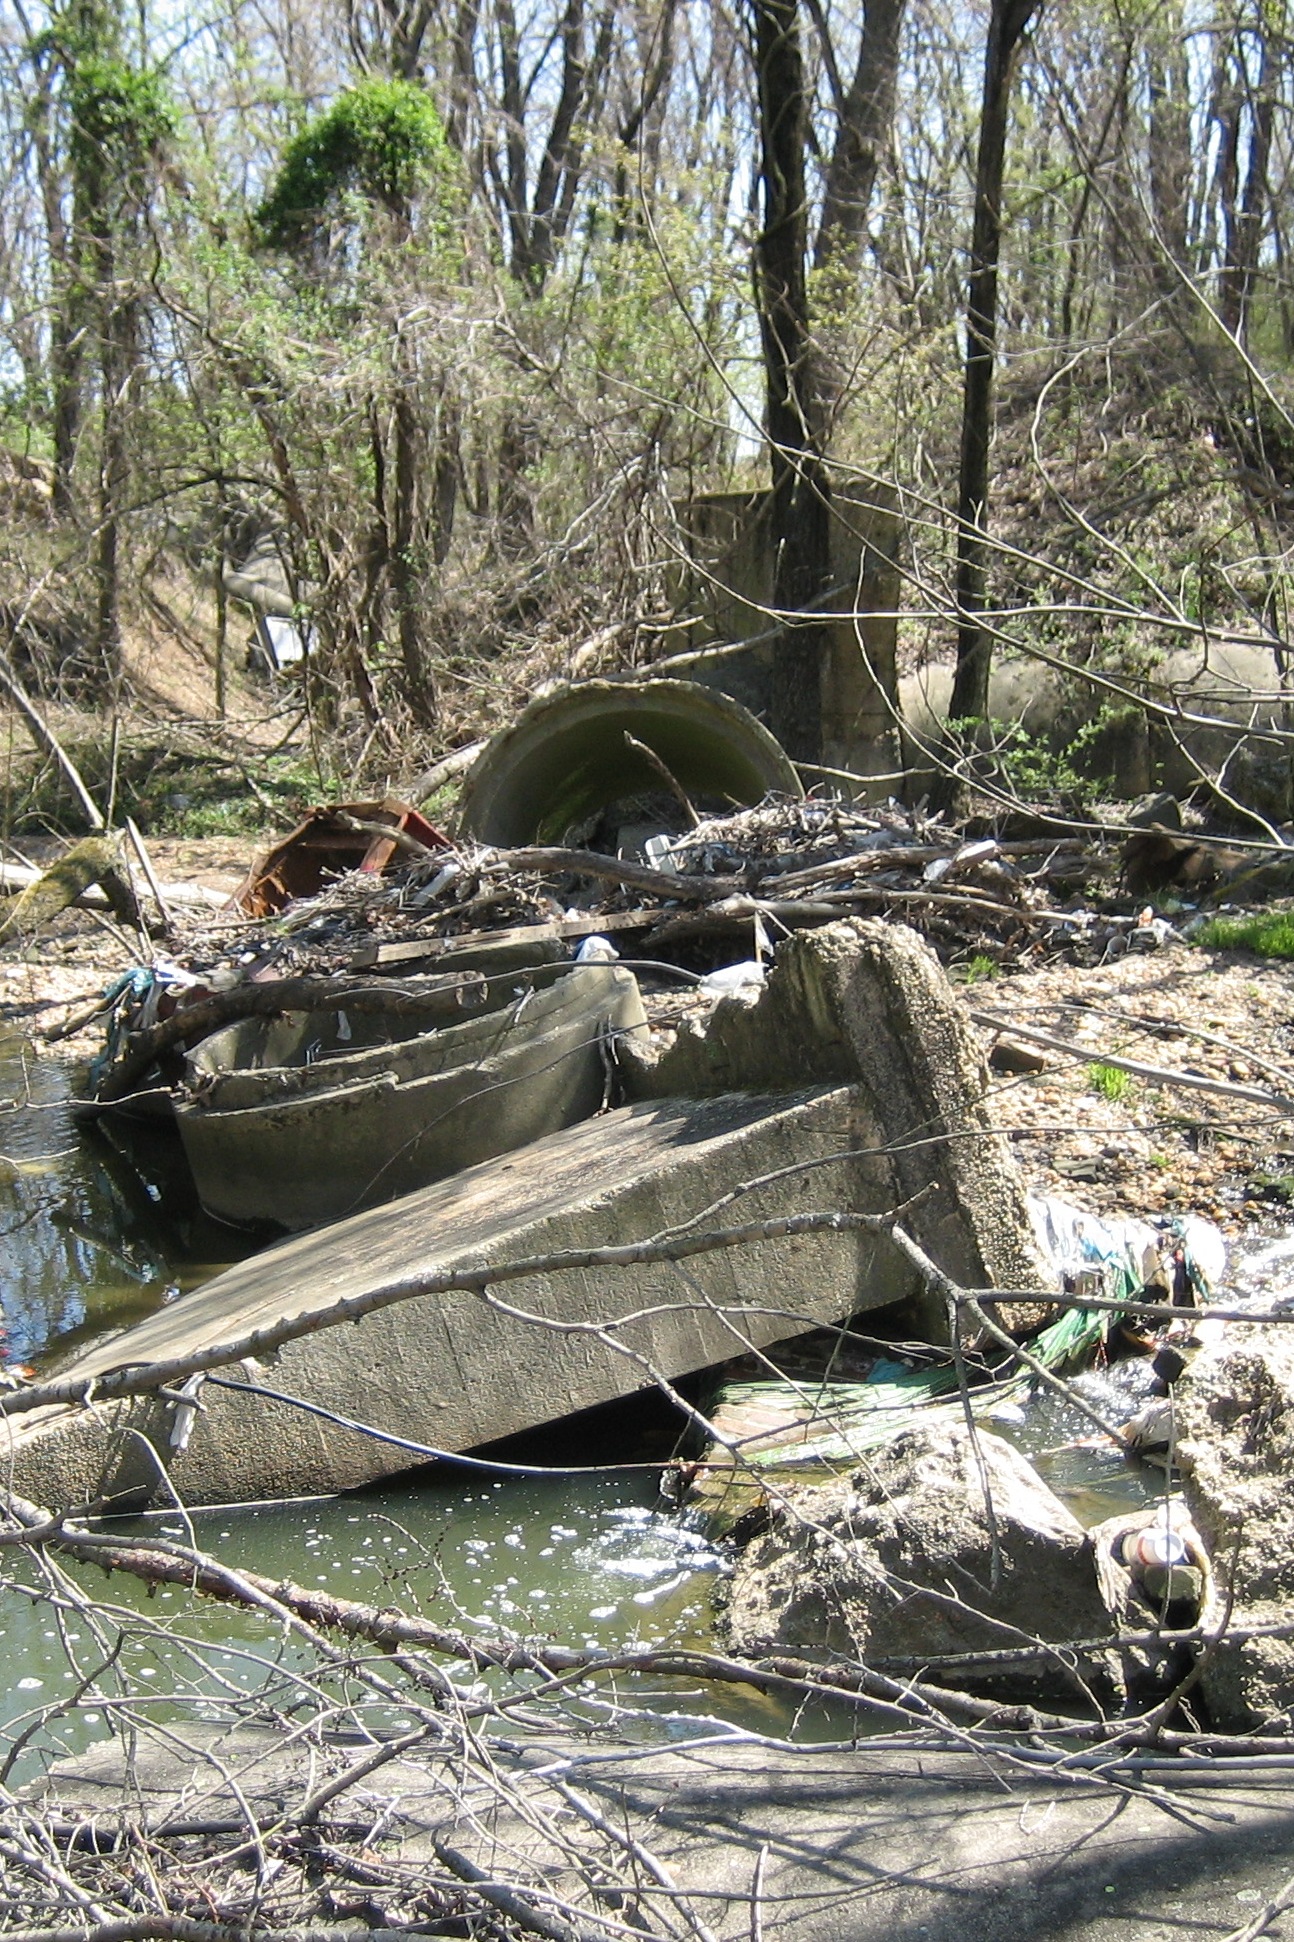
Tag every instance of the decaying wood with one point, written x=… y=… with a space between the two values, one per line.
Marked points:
x=390 y=832
x=146 y=865
x=445 y=770
x=424 y=950
x=17 y=877
x=95 y=860
x=610 y=869
x=667 y=776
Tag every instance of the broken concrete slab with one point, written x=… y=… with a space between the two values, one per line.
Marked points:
x=452 y=1372
x=896 y=1562
x=286 y=1123
x=818 y=1843
x=866 y=1003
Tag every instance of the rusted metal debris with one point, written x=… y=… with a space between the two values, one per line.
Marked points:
x=331 y=840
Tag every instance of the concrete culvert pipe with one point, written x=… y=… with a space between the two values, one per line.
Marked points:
x=566 y=759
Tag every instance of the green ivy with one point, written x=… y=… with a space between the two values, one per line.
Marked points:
x=382 y=140
x=120 y=114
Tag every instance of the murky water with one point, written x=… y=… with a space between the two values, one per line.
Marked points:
x=593 y=1560
x=1069 y=1451
x=94 y=1236
x=95 y=1232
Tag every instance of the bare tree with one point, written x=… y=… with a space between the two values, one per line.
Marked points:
x=1007 y=23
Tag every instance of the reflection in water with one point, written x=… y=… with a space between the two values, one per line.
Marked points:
x=98 y=1226
x=102 y=1226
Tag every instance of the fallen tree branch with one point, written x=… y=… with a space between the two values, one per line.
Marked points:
x=441 y=1001
x=182 y=1928
x=17 y=877
x=1263 y=1920
x=95 y=860
x=393 y=1630
x=501 y=1895
x=612 y=869
x=445 y=770
x=46 y=738
x=1155 y=1075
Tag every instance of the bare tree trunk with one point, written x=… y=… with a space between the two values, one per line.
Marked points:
x=974 y=647
x=117 y=359
x=801 y=504
x=446 y=473
x=1168 y=133
x=1245 y=222
x=419 y=683
x=865 y=117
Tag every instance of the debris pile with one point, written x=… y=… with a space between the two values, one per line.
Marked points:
x=729 y=886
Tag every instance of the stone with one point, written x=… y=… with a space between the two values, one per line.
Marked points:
x=866 y=1003
x=1235 y=1446
x=1160 y=810
x=896 y=1563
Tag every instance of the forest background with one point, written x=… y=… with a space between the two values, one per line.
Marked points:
x=455 y=305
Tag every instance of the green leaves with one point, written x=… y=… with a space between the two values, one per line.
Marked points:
x=382 y=140
x=120 y=115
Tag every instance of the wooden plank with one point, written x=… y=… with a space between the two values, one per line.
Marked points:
x=418 y=950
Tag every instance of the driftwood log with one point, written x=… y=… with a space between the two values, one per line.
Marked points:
x=95 y=860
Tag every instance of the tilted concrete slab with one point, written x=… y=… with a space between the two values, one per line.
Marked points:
x=447 y=1369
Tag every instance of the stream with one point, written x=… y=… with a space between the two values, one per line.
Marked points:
x=97 y=1234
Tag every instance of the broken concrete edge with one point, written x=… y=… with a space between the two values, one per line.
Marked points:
x=1234 y=1410
x=941 y=1542
x=866 y=1001
x=861 y=1843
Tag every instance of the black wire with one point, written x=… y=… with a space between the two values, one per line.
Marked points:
x=426 y=1449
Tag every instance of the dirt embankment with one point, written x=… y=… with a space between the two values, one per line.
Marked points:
x=1225 y=1016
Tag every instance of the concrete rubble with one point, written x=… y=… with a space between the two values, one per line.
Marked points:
x=863 y=1004
x=1234 y=1409
x=819 y=1843
x=936 y=1547
x=837 y=1069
